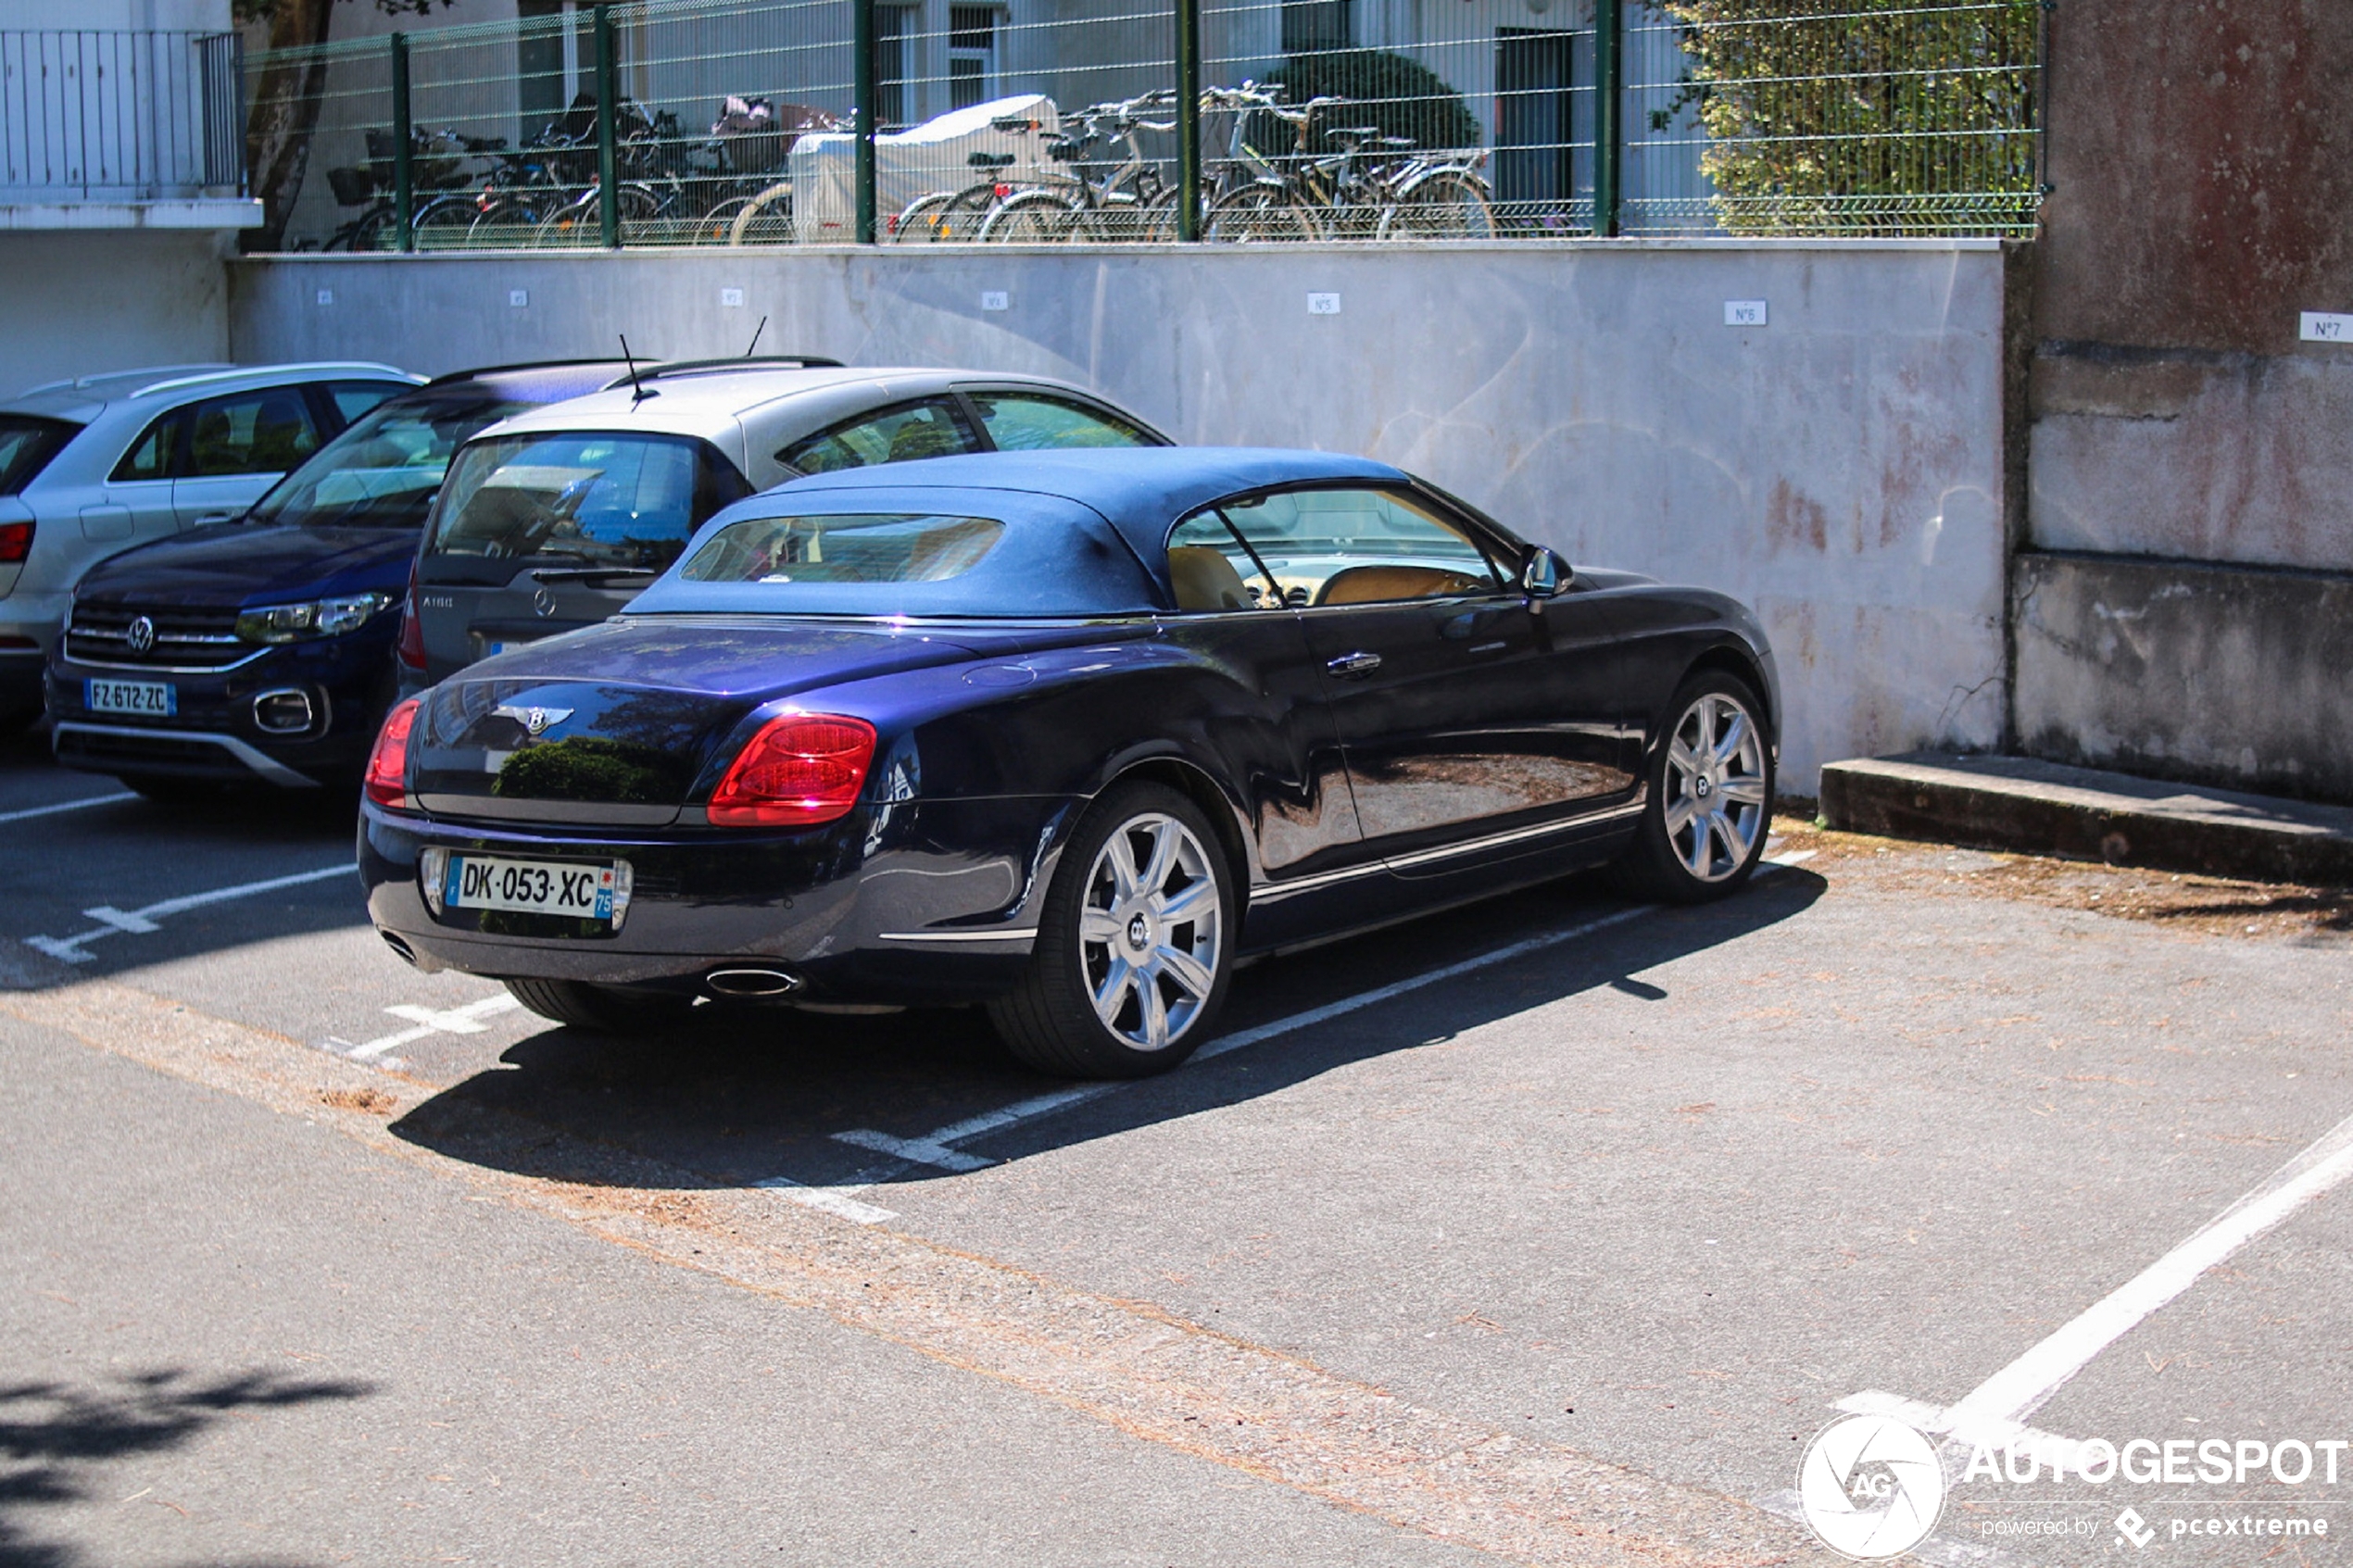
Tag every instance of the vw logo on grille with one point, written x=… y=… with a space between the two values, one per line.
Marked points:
x=544 y=601
x=141 y=635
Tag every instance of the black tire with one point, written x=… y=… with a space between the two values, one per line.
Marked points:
x=1050 y=1021
x=1679 y=854
x=601 y=1009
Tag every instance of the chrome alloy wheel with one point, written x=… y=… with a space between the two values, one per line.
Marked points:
x=1715 y=803
x=1149 y=931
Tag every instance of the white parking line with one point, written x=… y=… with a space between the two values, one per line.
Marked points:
x=835 y=1200
x=466 y=1020
x=87 y=800
x=113 y=921
x=938 y=1148
x=1992 y=1414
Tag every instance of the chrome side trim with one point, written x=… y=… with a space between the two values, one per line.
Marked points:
x=1275 y=892
x=270 y=767
x=1024 y=934
x=1498 y=840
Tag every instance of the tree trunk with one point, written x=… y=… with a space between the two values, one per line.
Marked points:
x=285 y=112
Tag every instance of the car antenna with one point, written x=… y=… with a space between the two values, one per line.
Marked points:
x=755 y=336
x=637 y=394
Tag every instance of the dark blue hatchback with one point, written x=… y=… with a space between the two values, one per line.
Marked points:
x=263 y=651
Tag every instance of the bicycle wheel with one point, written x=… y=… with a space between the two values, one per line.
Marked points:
x=507 y=224
x=1258 y=214
x=949 y=216
x=444 y=224
x=570 y=225
x=1449 y=205
x=766 y=219
x=1156 y=225
x=1033 y=218
x=371 y=231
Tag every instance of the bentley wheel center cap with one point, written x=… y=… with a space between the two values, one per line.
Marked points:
x=1702 y=788
x=1139 y=931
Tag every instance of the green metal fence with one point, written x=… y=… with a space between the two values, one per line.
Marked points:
x=1240 y=121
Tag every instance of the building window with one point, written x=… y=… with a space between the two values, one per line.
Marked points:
x=972 y=55
x=895 y=30
x=556 y=59
x=1310 y=26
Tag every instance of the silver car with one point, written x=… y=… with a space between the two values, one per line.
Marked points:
x=93 y=467
x=558 y=517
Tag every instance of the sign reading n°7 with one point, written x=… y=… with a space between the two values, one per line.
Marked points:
x=2324 y=326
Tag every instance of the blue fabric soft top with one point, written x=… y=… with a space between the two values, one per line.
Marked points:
x=1062 y=509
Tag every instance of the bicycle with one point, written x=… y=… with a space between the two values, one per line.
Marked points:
x=960 y=214
x=436 y=164
x=1356 y=193
x=1130 y=203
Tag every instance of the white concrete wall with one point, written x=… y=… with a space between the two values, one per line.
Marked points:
x=1840 y=469
x=77 y=303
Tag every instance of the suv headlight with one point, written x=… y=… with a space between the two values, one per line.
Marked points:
x=320 y=618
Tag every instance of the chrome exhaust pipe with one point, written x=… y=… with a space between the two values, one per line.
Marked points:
x=408 y=954
x=752 y=981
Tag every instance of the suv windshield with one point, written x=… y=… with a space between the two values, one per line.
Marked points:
x=384 y=471
x=26 y=445
x=602 y=498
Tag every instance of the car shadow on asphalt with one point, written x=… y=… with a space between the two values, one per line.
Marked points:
x=752 y=1094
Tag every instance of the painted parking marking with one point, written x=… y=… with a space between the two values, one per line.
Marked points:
x=86 y=801
x=425 y=1021
x=920 y=1151
x=940 y=1150
x=1994 y=1413
x=140 y=922
x=839 y=1200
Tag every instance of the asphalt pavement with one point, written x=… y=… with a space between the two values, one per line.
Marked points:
x=1549 y=1230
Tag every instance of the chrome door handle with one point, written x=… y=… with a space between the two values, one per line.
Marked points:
x=1351 y=664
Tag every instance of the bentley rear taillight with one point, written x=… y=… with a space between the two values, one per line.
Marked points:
x=801 y=770
x=387 y=781
x=15 y=541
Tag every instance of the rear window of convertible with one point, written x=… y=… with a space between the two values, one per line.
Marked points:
x=859 y=547
x=606 y=499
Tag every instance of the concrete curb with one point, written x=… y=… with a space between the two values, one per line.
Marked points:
x=2048 y=808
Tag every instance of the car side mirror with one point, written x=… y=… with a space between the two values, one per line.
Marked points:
x=1541 y=577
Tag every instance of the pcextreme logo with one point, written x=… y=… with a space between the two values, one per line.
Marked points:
x=1870 y=1487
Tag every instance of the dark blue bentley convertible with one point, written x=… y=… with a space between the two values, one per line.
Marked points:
x=1065 y=733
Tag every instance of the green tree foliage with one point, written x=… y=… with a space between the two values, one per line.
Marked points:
x=1866 y=116
x=1403 y=97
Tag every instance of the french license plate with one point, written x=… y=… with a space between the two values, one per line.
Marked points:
x=539 y=887
x=147 y=700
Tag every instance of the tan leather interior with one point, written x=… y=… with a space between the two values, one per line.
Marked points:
x=1380 y=584
x=1204 y=579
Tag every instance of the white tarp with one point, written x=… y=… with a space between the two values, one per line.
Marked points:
x=933 y=156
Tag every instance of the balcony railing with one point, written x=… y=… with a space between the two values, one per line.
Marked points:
x=92 y=116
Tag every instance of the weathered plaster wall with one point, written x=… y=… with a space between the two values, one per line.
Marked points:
x=2203 y=166
x=1840 y=469
x=2214 y=674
